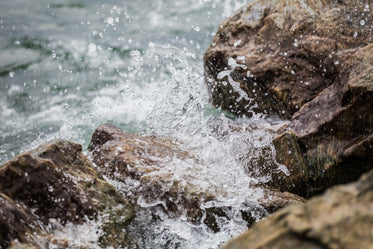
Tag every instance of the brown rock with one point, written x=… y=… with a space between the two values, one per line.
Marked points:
x=274 y=199
x=288 y=51
x=122 y=156
x=289 y=153
x=16 y=222
x=58 y=183
x=341 y=218
x=119 y=155
x=37 y=179
x=334 y=130
x=308 y=61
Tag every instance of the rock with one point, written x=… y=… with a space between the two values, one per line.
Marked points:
x=15 y=222
x=273 y=199
x=58 y=183
x=310 y=62
x=144 y=162
x=336 y=145
x=341 y=218
x=289 y=153
x=119 y=155
x=283 y=53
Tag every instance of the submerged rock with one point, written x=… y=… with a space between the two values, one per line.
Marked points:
x=341 y=218
x=144 y=163
x=55 y=185
x=310 y=62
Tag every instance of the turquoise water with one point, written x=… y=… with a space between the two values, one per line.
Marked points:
x=68 y=66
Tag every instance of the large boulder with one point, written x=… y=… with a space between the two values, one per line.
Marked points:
x=54 y=185
x=283 y=53
x=341 y=218
x=309 y=62
x=145 y=165
x=335 y=129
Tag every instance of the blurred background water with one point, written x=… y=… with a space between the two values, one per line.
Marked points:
x=68 y=66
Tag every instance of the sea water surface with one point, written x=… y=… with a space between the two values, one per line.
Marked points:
x=67 y=66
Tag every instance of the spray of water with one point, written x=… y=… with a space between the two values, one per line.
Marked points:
x=111 y=63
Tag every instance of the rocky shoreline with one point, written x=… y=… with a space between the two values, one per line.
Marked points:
x=310 y=62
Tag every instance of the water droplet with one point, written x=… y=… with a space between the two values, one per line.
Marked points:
x=362 y=22
x=11 y=74
x=237 y=43
x=110 y=21
x=295 y=44
x=196 y=28
x=92 y=48
x=50 y=189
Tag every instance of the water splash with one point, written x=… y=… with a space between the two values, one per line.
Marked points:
x=98 y=63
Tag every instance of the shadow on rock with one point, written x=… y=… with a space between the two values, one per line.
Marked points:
x=55 y=185
x=309 y=62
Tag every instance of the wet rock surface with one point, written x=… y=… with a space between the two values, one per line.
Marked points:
x=309 y=62
x=340 y=218
x=15 y=221
x=126 y=157
x=287 y=51
x=55 y=185
x=334 y=130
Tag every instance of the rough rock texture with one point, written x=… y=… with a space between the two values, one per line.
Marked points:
x=341 y=218
x=57 y=182
x=122 y=156
x=310 y=62
x=329 y=140
x=292 y=49
x=274 y=199
x=15 y=221
x=119 y=155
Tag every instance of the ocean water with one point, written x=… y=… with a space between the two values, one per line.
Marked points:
x=68 y=66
